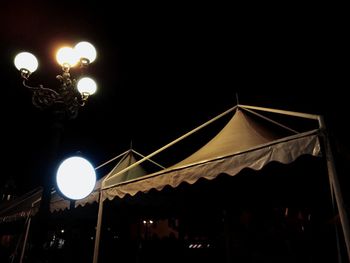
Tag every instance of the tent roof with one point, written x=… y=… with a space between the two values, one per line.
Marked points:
x=28 y=204
x=126 y=161
x=20 y=207
x=242 y=143
x=114 y=177
x=240 y=134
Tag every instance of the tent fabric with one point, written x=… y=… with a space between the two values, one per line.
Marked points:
x=115 y=178
x=242 y=143
x=284 y=151
x=239 y=134
x=110 y=178
x=28 y=204
x=21 y=207
x=58 y=203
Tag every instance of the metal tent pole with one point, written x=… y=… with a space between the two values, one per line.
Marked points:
x=25 y=239
x=333 y=178
x=98 y=229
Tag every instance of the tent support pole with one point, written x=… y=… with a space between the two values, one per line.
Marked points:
x=333 y=178
x=25 y=239
x=284 y=112
x=336 y=189
x=98 y=228
x=227 y=234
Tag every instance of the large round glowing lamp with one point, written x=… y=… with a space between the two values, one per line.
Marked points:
x=76 y=178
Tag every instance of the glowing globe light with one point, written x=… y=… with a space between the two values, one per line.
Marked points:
x=85 y=50
x=86 y=86
x=76 y=178
x=26 y=61
x=67 y=56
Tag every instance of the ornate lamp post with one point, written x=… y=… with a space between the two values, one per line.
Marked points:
x=63 y=102
x=70 y=95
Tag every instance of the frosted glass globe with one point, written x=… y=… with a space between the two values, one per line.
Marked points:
x=87 y=85
x=85 y=50
x=26 y=60
x=67 y=55
x=76 y=178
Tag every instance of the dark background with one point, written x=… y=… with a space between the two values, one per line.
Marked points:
x=162 y=70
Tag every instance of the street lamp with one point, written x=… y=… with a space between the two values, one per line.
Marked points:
x=63 y=102
x=71 y=94
x=76 y=178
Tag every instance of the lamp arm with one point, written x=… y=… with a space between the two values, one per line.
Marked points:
x=43 y=97
x=41 y=87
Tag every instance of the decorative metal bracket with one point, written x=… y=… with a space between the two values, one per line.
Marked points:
x=66 y=98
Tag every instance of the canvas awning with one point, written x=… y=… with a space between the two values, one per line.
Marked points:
x=284 y=151
x=21 y=207
x=126 y=159
x=28 y=204
x=242 y=143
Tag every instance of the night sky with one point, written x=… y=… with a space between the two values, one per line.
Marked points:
x=162 y=70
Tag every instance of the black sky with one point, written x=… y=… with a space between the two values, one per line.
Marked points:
x=164 y=69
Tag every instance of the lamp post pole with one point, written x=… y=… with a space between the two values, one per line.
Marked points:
x=62 y=103
x=41 y=221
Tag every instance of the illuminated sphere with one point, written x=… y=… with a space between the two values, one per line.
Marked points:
x=85 y=50
x=87 y=85
x=67 y=55
x=76 y=178
x=26 y=60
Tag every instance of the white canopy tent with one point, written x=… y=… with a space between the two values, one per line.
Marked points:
x=242 y=143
